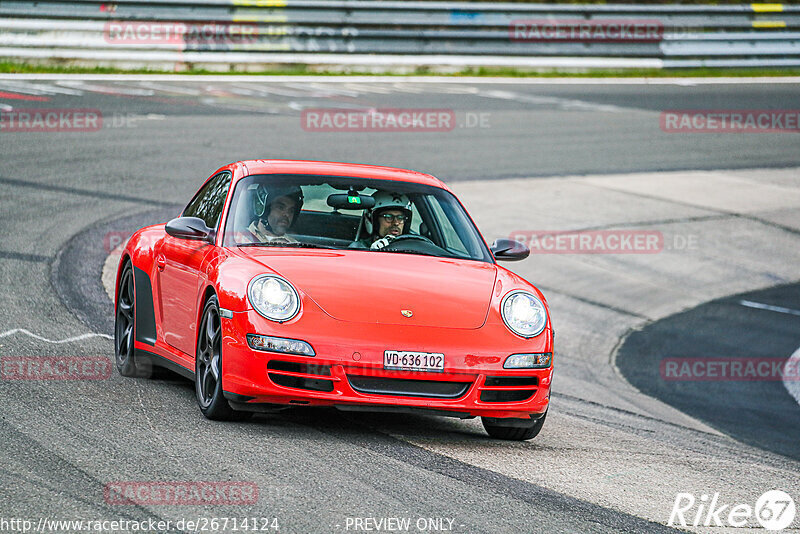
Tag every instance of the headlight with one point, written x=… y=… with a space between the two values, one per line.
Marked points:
x=540 y=360
x=523 y=313
x=273 y=297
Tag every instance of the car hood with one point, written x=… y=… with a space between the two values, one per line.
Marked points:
x=376 y=287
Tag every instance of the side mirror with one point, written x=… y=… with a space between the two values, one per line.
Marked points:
x=190 y=228
x=509 y=250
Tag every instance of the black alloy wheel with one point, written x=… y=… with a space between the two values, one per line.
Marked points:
x=125 y=327
x=208 y=368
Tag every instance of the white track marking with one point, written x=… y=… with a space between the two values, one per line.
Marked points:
x=367 y=88
x=39 y=88
x=568 y=104
x=162 y=88
x=759 y=306
x=115 y=90
x=790 y=380
x=55 y=342
x=314 y=92
x=453 y=89
x=402 y=87
x=246 y=78
x=241 y=91
x=333 y=90
x=23 y=88
x=301 y=105
x=53 y=89
x=232 y=105
x=280 y=91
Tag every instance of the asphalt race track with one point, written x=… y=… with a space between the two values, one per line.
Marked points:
x=739 y=408
x=621 y=441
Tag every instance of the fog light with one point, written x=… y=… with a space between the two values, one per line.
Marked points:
x=529 y=361
x=279 y=344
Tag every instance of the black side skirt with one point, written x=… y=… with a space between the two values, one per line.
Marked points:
x=145 y=311
x=161 y=361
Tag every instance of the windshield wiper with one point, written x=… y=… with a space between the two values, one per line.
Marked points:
x=286 y=244
x=415 y=252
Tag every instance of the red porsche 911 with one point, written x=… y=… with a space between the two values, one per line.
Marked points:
x=299 y=283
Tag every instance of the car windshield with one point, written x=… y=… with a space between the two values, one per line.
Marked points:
x=374 y=216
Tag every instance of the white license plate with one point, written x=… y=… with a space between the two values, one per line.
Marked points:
x=413 y=361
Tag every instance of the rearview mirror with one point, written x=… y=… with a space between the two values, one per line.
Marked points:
x=509 y=250
x=349 y=201
x=190 y=228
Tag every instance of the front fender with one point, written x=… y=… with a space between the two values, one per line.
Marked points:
x=229 y=276
x=139 y=251
x=506 y=282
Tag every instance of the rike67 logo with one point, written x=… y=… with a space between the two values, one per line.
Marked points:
x=774 y=510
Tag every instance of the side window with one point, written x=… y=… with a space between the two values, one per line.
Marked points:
x=416 y=218
x=451 y=237
x=209 y=201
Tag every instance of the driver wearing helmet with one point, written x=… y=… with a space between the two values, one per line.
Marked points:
x=275 y=210
x=388 y=219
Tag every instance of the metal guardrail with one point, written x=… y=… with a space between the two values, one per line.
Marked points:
x=454 y=33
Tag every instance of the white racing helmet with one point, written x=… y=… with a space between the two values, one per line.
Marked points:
x=387 y=200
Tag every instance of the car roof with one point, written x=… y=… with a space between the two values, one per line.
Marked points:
x=330 y=168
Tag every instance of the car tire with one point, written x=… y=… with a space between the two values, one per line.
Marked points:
x=125 y=328
x=208 y=368
x=516 y=433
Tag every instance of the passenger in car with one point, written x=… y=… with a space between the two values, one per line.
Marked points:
x=275 y=211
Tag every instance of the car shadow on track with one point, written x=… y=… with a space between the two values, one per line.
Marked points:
x=412 y=425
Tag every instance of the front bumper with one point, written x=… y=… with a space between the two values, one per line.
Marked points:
x=347 y=371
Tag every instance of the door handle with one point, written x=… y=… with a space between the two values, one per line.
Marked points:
x=161 y=262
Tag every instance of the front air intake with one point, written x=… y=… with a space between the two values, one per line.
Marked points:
x=508 y=388
x=306 y=376
x=400 y=387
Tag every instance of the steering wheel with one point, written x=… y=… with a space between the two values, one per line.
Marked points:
x=413 y=243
